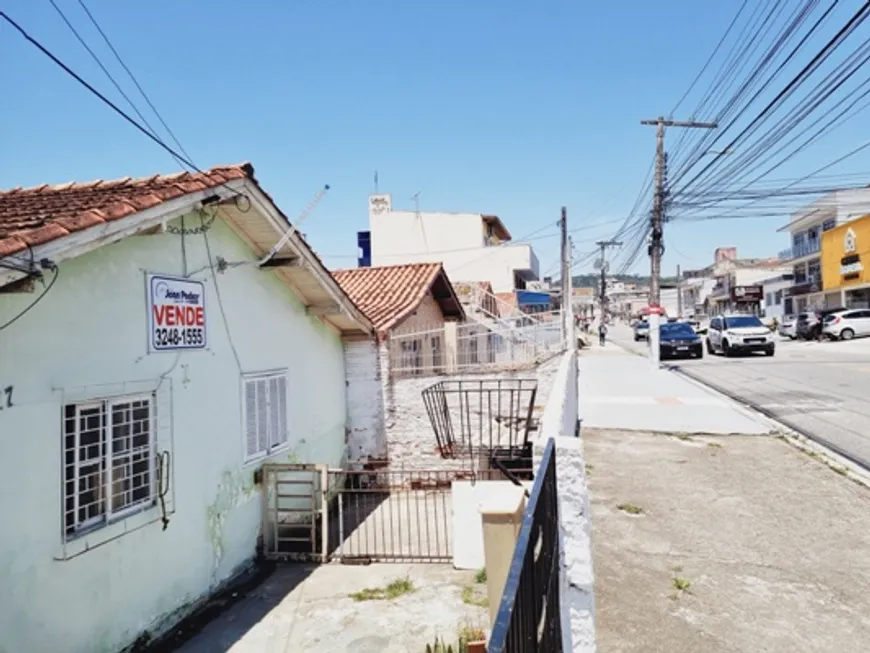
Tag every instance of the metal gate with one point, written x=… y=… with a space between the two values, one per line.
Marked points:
x=293 y=511
x=390 y=516
x=316 y=514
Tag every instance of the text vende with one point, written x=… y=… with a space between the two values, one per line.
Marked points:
x=184 y=316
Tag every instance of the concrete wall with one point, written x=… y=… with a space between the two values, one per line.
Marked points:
x=365 y=401
x=577 y=579
x=410 y=439
x=86 y=340
x=456 y=239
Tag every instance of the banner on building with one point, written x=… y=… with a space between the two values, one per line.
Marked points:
x=747 y=293
x=176 y=313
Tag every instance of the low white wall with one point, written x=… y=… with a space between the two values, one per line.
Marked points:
x=577 y=580
x=468 y=498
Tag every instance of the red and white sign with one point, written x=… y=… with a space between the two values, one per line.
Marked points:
x=653 y=309
x=176 y=313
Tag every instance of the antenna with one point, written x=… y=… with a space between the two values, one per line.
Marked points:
x=416 y=198
x=308 y=210
x=376 y=182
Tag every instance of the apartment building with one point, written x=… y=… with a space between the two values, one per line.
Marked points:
x=806 y=229
x=471 y=246
x=730 y=284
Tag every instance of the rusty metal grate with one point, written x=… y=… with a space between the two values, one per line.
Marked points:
x=486 y=418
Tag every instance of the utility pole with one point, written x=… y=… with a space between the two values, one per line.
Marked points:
x=656 y=247
x=679 y=293
x=604 y=244
x=566 y=281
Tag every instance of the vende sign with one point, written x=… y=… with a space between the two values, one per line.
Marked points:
x=176 y=313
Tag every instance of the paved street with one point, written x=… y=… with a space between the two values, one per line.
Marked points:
x=820 y=389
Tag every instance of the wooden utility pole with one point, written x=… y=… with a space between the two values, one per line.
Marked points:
x=566 y=280
x=679 y=293
x=604 y=244
x=656 y=247
x=658 y=213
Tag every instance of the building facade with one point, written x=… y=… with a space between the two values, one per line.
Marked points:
x=472 y=246
x=846 y=263
x=729 y=284
x=807 y=229
x=154 y=374
x=774 y=291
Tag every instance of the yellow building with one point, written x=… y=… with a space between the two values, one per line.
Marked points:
x=846 y=262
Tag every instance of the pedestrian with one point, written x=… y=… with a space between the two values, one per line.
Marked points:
x=602 y=333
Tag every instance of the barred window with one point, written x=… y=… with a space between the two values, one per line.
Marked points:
x=265 y=414
x=108 y=461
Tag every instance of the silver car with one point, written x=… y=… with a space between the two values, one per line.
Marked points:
x=788 y=327
x=845 y=325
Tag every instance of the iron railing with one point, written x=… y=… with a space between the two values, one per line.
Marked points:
x=486 y=417
x=481 y=344
x=529 y=616
x=315 y=514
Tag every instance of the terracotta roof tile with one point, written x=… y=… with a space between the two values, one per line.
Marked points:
x=388 y=294
x=34 y=216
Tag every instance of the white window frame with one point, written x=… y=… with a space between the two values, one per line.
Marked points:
x=273 y=442
x=108 y=456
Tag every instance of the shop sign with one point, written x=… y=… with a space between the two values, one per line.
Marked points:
x=747 y=293
x=850 y=264
x=176 y=313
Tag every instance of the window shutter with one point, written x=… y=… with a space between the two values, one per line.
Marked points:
x=262 y=413
x=251 y=447
x=278 y=399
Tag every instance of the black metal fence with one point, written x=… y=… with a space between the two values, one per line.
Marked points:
x=529 y=615
x=489 y=416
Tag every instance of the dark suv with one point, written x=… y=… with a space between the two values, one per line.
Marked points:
x=809 y=323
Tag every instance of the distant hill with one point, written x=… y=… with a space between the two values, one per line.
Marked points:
x=591 y=280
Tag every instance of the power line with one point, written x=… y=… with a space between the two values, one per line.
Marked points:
x=133 y=78
x=95 y=92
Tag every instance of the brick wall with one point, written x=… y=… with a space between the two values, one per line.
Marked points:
x=365 y=401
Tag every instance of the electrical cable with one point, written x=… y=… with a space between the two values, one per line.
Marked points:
x=36 y=301
x=220 y=302
x=69 y=71
x=133 y=78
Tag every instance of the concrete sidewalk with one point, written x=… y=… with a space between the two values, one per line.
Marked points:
x=619 y=390
x=727 y=544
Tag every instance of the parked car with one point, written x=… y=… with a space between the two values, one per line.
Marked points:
x=641 y=331
x=678 y=339
x=810 y=322
x=845 y=325
x=788 y=327
x=733 y=334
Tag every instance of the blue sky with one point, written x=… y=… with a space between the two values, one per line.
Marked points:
x=506 y=107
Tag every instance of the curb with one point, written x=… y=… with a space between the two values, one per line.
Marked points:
x=863 y=465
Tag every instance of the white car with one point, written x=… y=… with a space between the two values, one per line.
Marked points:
x=734 y=334
x=845 y=325
x=788 y=327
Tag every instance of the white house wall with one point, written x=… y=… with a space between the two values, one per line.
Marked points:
x=455 y=239
x=365 y=401
x=87 y=339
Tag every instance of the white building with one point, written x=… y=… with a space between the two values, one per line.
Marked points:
x=137 y=409
x=775 y=290
x=804 y=256
x=472 y=246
